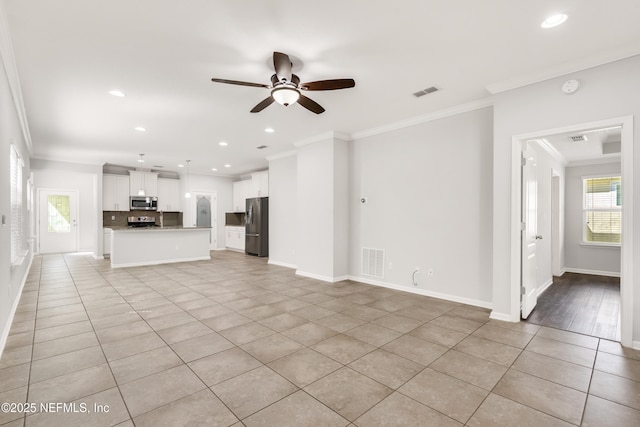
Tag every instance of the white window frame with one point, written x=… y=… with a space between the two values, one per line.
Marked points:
x=585 y=209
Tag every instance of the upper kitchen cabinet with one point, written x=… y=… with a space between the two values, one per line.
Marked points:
x=260 y=184
x=241 y=191
x=168 y=195
x=115 y=192
x=147 y=181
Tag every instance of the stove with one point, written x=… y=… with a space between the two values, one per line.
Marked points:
x=141 y=221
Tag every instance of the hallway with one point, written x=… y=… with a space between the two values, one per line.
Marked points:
x=581 y=303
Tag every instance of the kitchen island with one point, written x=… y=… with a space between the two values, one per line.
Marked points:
x=132 y=247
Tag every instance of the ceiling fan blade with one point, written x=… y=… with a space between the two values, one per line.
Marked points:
x=328 y=84
x=263 y=104
x=310 y=104
x=282 y=65
x=239 y=83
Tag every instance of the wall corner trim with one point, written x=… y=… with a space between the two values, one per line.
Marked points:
x=503 y=317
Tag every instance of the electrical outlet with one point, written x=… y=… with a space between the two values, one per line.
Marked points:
x=390 y=266
x=113 y=217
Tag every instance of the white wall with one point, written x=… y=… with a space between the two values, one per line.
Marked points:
x=429 y=205
x=84 y=179
x=223 y=188
x=607 y=92
x=579 y=258
x=11 y=131
x=283 y=211
x=315 y=193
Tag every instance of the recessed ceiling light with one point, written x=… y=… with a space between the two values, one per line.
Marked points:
x=222 y=144
x=214 y=169
x=117 y=93
x=227 y=166
x=140 y=129
x=554 y=21
x=269 y=130
x=180 y=166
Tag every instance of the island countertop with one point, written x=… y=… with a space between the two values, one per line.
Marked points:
x=136 y=246
x=166 y=228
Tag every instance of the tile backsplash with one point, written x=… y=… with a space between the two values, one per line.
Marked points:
x=119 y=218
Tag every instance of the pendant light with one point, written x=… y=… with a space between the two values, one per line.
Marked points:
x=187 y=194
x=141 y=191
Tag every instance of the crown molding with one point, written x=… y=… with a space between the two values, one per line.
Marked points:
x=563 y=69
x=281 y=155
x=11 y=70
x=552 y=151
x=448 y=112
x=323 y=137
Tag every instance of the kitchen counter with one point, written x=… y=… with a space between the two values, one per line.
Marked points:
x=136 y=246
x=170 y=227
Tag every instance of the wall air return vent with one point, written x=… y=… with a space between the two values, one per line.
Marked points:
x=578 y=138
x=373 y=262
x=426 y=91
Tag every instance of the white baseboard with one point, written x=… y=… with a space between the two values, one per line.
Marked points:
x=166 y=261
x=320 y=277
x=635 y=345
x=592 y=272
x=544 y=287
x=424 y=292
x=282 y=264
x=14 y=307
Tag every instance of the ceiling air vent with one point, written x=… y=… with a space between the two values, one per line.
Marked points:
x=578 y=138
x=426 y=91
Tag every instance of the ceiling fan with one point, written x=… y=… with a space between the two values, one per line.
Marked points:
x=285 y=86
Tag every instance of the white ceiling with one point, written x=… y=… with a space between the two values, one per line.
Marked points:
x=163 y=54
x=599 y=145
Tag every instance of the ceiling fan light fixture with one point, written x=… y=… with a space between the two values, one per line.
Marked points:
x=285 y=95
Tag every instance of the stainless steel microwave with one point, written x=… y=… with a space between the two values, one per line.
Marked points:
x=143 y=203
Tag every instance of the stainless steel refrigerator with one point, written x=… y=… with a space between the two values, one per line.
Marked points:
x=257 y=227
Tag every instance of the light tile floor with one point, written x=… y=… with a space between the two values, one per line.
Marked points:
x=235 y=341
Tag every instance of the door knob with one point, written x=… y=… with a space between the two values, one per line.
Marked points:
x=538 y=236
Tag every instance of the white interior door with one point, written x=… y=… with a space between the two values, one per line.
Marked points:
x=529 y=231
x=204 y=207
x=58 y=221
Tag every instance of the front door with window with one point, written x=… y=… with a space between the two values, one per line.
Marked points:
x=58 y=221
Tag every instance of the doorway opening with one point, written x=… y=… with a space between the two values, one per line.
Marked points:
x=559 y=266
x=203 y=212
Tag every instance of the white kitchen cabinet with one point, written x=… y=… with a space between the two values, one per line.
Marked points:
x=260 y=184
x=107 y=241
x=234 y=238
x=143 y=180
x=115 y=192
x=168 y=195
x=241 y=192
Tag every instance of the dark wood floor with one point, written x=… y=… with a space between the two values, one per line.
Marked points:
x=581 y=303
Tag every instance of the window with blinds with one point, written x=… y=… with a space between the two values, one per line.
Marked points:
x=15 y=169
x=602 y=210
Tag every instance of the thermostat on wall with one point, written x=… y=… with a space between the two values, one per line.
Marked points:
x=570 y=86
